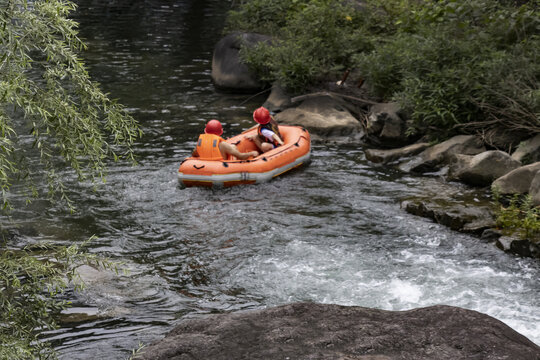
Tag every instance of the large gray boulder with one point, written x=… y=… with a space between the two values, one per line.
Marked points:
x=517 y=181
x=504 y=139
x=482 y=169
x=228 y=71
x=323 y=331
x=322 y=116
x=528 y=151
x=432 y=158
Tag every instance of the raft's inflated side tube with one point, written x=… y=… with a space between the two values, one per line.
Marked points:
x=295 y=152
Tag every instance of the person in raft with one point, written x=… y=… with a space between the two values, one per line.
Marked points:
x=268 y=136
x=211 y=146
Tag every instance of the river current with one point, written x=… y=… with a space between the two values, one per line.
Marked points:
x=331 y=232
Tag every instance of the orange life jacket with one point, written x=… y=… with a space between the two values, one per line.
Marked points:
x=273 y=126
x=208 y=147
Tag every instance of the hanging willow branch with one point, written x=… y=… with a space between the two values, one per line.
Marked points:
x=45 y=91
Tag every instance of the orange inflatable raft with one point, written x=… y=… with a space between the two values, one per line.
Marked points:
x=295 y=152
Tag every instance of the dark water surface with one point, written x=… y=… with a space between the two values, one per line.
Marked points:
x=332 y=232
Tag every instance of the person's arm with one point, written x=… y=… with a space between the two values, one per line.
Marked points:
x=272 y=136
x=278 y=139
x=276 y=136
x=229 y=149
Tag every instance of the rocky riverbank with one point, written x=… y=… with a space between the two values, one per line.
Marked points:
x=463 y=159
x=343 y=112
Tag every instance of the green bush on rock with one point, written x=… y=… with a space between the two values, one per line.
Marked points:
x=519 y=217
x=312 y=39
x=460 y=66
x=456 y=66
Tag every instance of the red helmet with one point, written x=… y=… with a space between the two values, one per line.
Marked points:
x=213 y=127
x=261 y=115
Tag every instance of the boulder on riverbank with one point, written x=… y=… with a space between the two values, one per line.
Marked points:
x=481 y=169
x=278 y=100
x=528 y=151
x=518 y=181
x=459 y=217
x=388 y=155
x=386 y=126
x=228 y=71
x=534 y=190
x=516 y=245
x=432 y=158
x=322 y=116
x=324 y=331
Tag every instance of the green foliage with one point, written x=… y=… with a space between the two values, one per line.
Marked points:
x=45 y=91
x=31 y=282
x=255 y=15
x=520 y=217
x=312 y=38
x=456 y=66
x=427 y=77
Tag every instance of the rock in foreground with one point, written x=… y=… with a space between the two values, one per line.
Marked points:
x=322 y=331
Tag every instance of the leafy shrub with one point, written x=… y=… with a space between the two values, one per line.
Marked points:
x=456 y=66
x=520 y=217
x=260 y=16
x=314 y=38
x=459 y=66
x=428 y=77
x=291 y=64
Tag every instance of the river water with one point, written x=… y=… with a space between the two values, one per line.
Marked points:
x=332 y=232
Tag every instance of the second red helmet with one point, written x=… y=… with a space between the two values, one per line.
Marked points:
x=261 y=115
x=213 y=127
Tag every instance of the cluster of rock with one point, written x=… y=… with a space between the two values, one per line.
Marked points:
x=463 y=158
x=336 y=113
